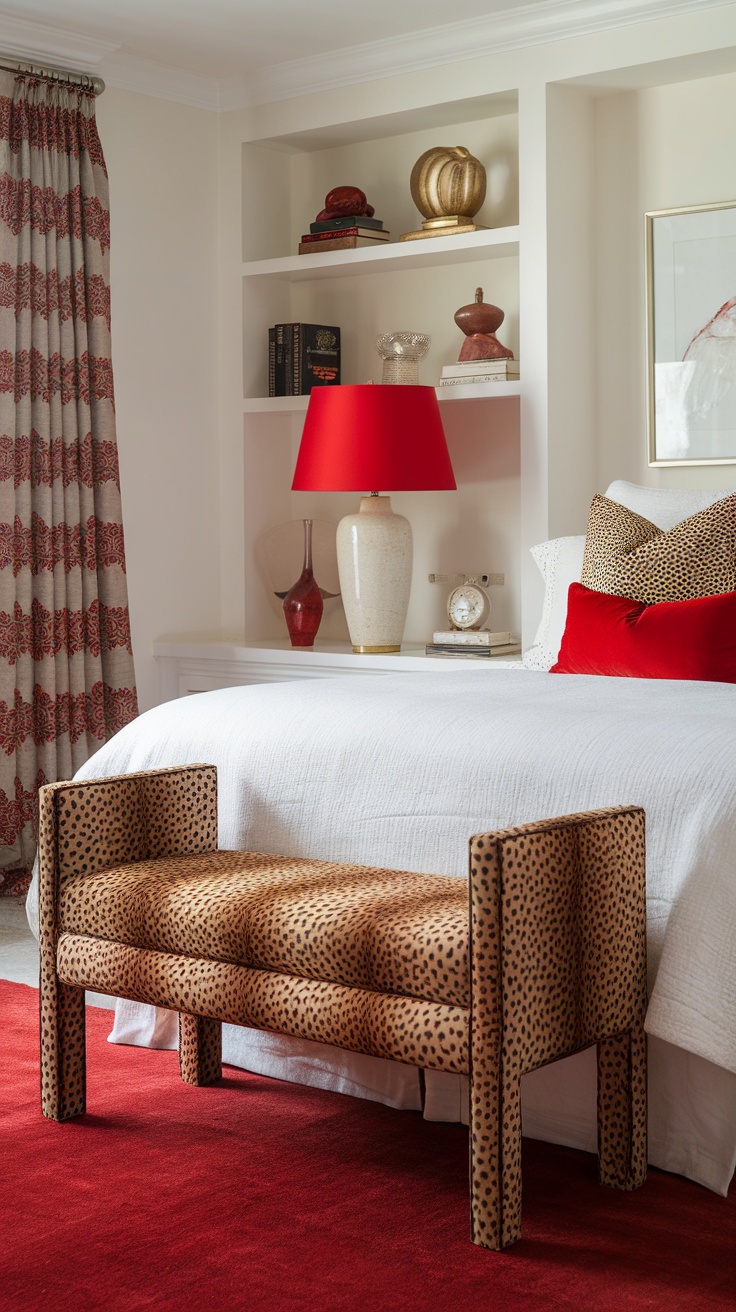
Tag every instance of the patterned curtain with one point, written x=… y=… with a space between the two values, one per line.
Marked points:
x=66 y=667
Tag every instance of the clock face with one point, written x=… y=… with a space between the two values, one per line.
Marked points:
x=468 y=607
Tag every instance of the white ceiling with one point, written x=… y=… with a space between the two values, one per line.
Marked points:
x=236 y=37
x=221 y=53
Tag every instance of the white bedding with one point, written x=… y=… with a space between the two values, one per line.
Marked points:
x=401 y=770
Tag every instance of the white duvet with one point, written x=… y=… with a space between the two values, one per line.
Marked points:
x=400 y=771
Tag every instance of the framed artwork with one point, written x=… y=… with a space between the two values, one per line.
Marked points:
x=691 y=335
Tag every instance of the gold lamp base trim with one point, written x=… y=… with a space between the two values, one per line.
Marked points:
x=374 y=651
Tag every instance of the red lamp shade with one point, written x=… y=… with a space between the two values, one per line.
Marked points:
x=373 y=438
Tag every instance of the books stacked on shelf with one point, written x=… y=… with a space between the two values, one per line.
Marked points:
x=302 y=356
x=342 y=221
x=479 y=371
x=473 y=642
x=345 y=233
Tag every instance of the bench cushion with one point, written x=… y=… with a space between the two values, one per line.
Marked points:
x=383 y=930
x=428 y=1034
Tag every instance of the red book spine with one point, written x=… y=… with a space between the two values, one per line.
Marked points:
x=330 y=236
x=374 y=234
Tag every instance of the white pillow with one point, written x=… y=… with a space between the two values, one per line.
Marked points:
x=560 y=563
x=663 y=506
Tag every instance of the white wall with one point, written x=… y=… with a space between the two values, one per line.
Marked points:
x=659 y=148
x=162 y=163
x=184 y=515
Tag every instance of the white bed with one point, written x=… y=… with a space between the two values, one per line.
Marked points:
x=401 y=770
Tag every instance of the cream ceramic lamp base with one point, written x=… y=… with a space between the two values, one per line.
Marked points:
x=374 y=559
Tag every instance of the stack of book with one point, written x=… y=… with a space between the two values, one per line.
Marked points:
x=345 y=233
x=302 y=356
x=473 y=642
x=479 y=371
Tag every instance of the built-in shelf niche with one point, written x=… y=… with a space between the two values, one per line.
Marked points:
x=285 y=179
x=414 y=285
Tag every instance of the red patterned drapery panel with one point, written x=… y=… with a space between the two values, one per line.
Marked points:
x=66 y=667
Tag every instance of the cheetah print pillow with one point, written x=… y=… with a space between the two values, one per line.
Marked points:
x=627 y=556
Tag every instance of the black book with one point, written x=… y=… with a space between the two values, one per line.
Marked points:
x=272 y=362
x=302 y=356
x=346 y=221
x=315 y=357
x=280 y=350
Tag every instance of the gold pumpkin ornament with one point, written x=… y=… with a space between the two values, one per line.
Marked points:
x=448 y=186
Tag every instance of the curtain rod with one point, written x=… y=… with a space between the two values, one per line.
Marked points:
x=85 y=81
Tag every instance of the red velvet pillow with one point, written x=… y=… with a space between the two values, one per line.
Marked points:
x=694 y=639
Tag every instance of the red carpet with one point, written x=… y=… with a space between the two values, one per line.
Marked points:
x=262 y=1195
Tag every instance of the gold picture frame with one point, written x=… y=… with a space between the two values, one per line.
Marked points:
x=691 y=334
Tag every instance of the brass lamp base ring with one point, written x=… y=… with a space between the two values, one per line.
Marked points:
x=374 y=651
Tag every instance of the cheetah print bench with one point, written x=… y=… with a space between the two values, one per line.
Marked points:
x=546 y=956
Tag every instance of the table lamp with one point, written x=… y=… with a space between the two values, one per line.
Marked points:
x=365 y=437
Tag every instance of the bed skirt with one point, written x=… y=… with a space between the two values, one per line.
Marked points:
x=691 y=1133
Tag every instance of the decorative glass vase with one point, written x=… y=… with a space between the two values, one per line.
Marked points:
x=303 y=602
x=401 y=353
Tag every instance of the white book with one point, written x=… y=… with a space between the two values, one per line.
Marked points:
x=471 y=379
x=472 y=638
x=472 y=653
x=465 y=367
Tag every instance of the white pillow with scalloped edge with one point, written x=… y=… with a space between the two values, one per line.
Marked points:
x=664 y=506
x=560 y=563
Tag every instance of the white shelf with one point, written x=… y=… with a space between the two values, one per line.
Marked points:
x=298 y=404
x=491 y=243
x=275 y=405
x=196 y=663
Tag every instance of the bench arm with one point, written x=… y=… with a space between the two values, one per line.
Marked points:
x=132 y=817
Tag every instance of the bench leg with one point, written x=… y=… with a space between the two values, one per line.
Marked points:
x=495 y=1161
x=200 y=1049
x=63 y=1075
x=622 y=1110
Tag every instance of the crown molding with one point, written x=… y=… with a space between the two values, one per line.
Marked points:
x=533 y=24
x=147 y=77
x=24 y=40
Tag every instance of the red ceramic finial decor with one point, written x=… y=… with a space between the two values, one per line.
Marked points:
x=480 y=322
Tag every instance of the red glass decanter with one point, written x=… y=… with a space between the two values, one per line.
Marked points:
x=303 y=602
